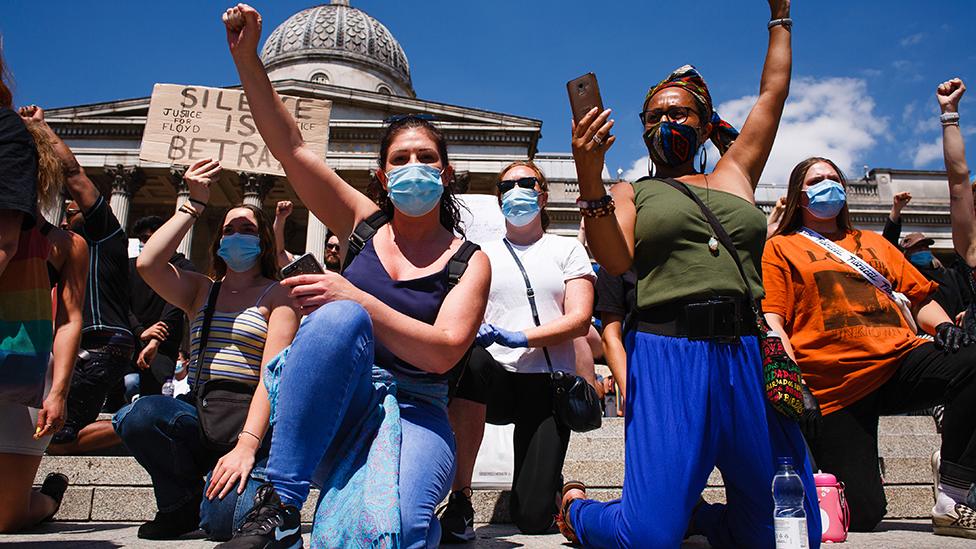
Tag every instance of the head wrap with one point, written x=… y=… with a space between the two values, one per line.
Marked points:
x=689 y=79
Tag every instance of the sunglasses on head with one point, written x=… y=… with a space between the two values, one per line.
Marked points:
x=524 y=182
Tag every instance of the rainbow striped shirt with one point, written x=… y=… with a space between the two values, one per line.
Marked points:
x=26 y=328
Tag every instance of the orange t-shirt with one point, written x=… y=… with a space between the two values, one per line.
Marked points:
x=849 y=337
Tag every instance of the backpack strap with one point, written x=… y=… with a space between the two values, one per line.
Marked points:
x=459 y=262
x=364 y=231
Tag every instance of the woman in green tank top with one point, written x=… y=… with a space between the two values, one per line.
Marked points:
x=695 y=389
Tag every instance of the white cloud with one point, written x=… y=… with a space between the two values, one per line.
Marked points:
x=830 y=117
x=927 y=153
x=913 y=39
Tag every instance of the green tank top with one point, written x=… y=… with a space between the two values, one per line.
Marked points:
x=671 y=255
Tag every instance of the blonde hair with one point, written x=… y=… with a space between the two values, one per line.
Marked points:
x=50 y=172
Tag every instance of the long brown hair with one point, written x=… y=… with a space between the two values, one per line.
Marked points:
x=450 y=209
x=792 y=216
x=6 y=97
x=543 y=185
x=269 y=253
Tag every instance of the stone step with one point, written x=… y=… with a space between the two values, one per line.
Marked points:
x=135 y=504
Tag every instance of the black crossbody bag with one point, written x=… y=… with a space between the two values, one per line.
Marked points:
x=575 y=402
x=222 y=404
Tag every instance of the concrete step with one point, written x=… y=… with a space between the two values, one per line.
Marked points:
x=136 y=503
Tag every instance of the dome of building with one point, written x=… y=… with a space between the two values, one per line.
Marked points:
x=338 y=44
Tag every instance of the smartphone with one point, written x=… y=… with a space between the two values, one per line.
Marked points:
x=584 y=94
x=306 y=264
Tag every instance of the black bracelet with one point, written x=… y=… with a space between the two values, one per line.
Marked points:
x=197 y=202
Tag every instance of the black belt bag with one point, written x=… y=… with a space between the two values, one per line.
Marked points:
x=721 y=318
x=222 y=404
x=575 y=402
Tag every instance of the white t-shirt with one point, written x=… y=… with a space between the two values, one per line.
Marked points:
x=550 y=262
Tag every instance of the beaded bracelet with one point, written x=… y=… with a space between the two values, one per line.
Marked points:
x=596 y=208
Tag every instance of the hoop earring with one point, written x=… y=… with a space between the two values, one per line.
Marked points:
x=650 y=167
x=703 y=159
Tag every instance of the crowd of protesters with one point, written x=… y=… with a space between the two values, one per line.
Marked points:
x=374 y=380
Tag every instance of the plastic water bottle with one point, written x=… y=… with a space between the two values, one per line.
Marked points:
x=168 y=388
x=789 y=518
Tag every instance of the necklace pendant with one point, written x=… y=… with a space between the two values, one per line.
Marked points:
x=713 y=245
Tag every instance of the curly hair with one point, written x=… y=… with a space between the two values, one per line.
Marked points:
x=450 y=208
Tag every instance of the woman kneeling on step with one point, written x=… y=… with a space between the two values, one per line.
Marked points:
x=252 y=320
x=360 y=399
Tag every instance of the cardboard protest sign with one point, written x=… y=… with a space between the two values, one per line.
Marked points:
x=189 y=123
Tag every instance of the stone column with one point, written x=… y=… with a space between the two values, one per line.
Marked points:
x=255 y=187
x=126 y=182
x=182 y=195
x=315 y=237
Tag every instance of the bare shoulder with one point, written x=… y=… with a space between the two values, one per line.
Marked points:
x=622 y=189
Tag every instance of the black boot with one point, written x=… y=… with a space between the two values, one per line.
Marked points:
x=173 y=524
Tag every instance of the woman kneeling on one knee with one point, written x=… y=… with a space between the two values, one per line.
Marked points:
x=253 y=319
x=360 y=400
x=695 y=390
x=512 y=381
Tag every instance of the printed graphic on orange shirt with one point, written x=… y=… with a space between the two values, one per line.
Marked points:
x=847 y=300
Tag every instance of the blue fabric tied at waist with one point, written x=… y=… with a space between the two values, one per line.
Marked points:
x=359 y=501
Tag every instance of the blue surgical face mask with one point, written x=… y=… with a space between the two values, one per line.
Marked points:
x=520 y=206
x=239 y=251
x=827 y=199
x=415 y=189
x=922 y=259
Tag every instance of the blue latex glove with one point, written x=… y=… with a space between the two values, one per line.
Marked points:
x=510 y=339
x=486 y=335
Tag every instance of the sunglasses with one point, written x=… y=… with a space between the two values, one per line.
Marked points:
x=332 y=247
x=524 y=182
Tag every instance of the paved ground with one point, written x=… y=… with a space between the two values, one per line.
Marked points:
x=95 y=535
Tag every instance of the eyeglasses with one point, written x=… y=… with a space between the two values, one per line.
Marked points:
x=675 y=114
x=524 y=182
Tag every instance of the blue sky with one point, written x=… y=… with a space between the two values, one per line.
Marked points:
x=864 y=72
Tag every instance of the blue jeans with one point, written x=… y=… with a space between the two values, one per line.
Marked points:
x=163 y=434
x=693 y=405
x=324 y=389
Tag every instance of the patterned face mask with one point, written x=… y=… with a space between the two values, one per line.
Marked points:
x=671 y=144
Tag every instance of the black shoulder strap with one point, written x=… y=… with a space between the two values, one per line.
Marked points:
x=530 y=293
x=459 y=262
x=208 y=312
x=717 y=227
x=364 y=231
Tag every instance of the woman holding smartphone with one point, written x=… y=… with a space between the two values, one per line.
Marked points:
x=695 y=389
x=363 y=408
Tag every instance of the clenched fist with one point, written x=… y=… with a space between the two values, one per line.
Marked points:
x=949 y=93
x=243 y=25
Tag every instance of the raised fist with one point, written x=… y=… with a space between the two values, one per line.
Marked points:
x=949 y=93
x=199 y=177
x=31 y=113
x=779 y=9
x=283 y=209
x=243 y=25
x=901 y=200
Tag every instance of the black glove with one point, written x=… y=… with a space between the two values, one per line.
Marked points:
x=950 y=338
x=811 y=419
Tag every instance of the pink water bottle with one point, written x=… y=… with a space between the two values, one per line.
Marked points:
x=835 y=516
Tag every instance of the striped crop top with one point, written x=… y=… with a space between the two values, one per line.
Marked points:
x=235 y=345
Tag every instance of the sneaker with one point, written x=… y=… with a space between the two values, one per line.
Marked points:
x=268 y=525
x=173 y=524
x=959 y=523
x=54 y=487
x=457 y=518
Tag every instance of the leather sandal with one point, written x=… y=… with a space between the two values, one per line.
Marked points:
x=562 y=519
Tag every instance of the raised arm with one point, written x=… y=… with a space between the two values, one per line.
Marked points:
x=180 y=287
x=742 y=165
x=335 y=202
x=282 y=210
x=892 y=226
x=79 y=186
x=961 y=210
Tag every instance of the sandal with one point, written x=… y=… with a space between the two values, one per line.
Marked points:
x=562 y=519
